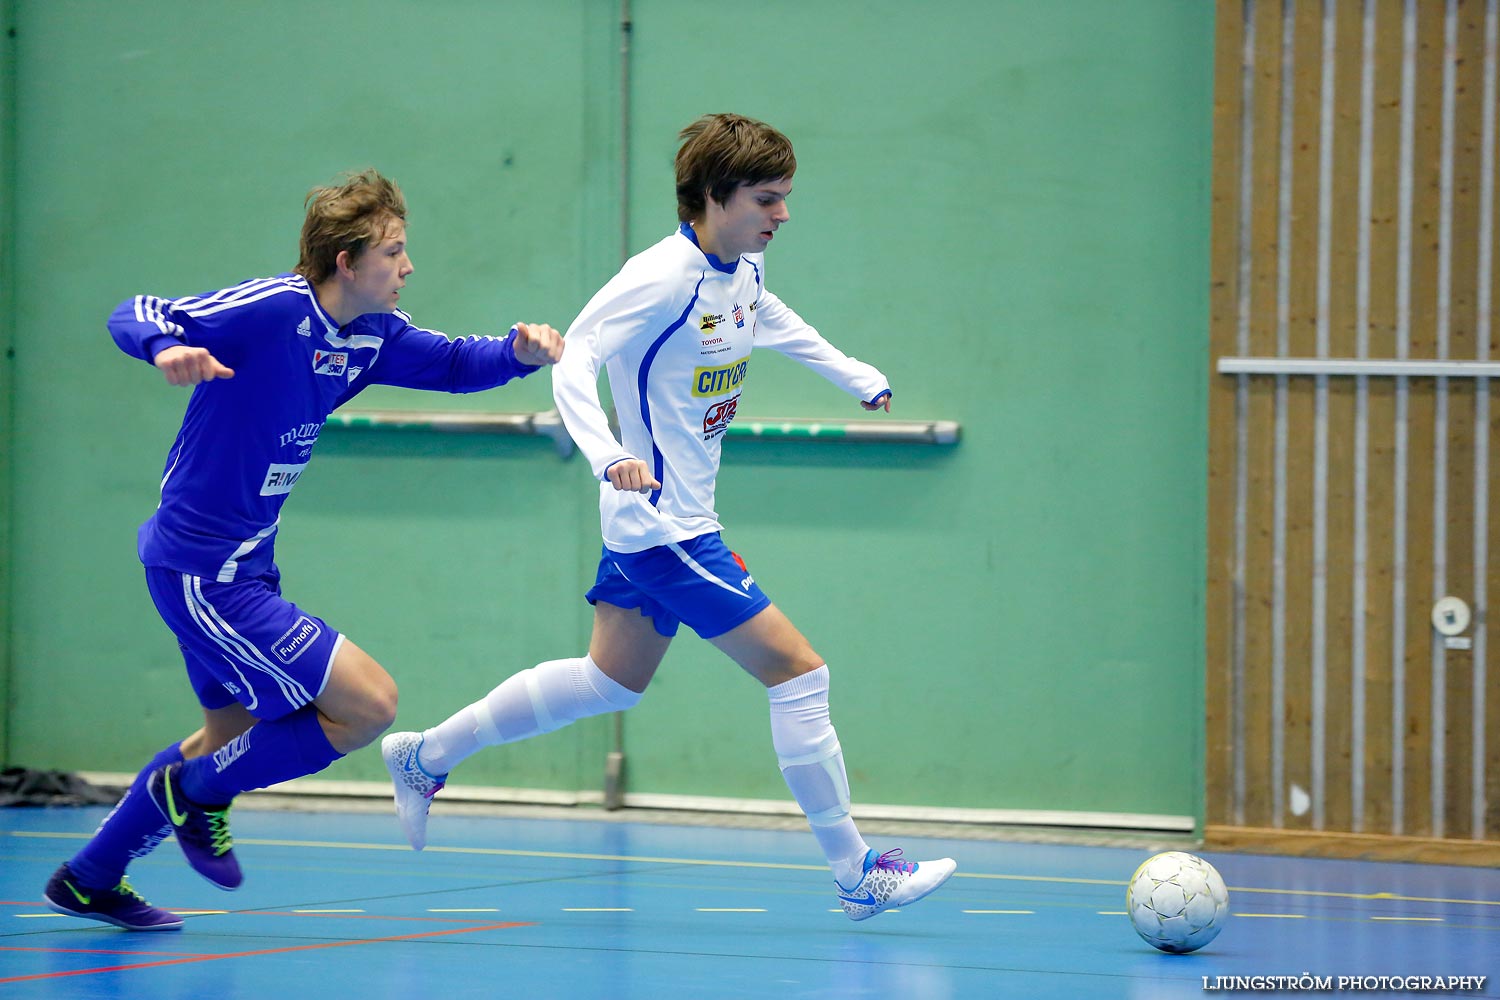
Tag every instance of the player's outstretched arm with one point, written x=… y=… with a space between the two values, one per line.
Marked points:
x=881 y=402
x=185 y=365
x=537 y=344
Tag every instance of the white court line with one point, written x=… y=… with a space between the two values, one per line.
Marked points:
x=328 y=911
x=733 y=909
x=477 y=909
x=597 y=909
x=1027 y=912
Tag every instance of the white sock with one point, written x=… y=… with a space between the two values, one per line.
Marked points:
x=813 y=765
x=541 y=699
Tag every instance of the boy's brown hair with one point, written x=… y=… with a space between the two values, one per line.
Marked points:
x=723 y=151
x=349 y=216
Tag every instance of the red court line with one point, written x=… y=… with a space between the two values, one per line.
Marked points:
x=267 y=951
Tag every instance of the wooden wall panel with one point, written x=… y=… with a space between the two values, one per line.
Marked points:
x=1341 y=710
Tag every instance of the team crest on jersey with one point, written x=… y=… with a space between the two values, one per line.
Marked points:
x=330 y=362
x=354 y=371
x=739 y=316
x=716 y=419
x=709 y=320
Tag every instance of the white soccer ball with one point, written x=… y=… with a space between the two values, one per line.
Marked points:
x=1177 y=902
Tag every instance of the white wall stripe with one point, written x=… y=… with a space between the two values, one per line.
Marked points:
x=1283 y=348
x=1484 y=303
x=1359 y=599
x=1437 y=652
x=1403 y=351
x=1242 y=402
x=1318 y=731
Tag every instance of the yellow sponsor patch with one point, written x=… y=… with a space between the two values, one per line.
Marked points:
x=718 y=381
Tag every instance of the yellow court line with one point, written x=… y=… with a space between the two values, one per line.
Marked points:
x=1274 y=916
x=768 y=865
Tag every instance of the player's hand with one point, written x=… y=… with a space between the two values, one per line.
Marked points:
x=186 y=365
x=632 y=474
x=537 y=344
x=882 y=401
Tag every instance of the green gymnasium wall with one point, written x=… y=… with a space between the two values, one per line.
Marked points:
x=1003 y=205
x=7 y=344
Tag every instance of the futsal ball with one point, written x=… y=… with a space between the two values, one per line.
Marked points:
x=1177 y=902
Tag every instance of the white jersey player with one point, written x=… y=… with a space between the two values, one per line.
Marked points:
x=674 y=331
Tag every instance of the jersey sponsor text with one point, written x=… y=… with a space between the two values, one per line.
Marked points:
x=717 y=381
x=296 y=640
x=280 y=479
x=330 y=362
x=716 y=419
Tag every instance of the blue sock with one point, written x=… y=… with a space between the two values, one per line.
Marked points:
x=279 y=750
x=132 y=830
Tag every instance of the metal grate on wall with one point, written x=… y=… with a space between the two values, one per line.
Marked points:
x=1352 y=474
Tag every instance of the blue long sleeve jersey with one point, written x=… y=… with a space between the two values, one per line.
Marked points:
x=246 y=440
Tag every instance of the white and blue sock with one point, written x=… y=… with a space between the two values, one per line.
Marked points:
x=538 y=700
x=812 y=762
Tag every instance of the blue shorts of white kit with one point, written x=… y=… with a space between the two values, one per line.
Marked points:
x=242 y=641
x=698 y=582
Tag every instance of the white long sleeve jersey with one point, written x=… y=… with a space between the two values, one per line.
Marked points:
x=674 y=330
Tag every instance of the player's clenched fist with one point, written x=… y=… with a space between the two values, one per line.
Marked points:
x=632 y=474
x=537 y=344
x=185 y=365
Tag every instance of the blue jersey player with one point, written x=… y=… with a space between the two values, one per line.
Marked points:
x=673 y=331
x=284 y=694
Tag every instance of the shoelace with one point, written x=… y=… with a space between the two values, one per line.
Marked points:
x=126 y=889
x=891 y=861
x=218 y=831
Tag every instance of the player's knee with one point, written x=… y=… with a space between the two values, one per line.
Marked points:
x=381 y=705
x=370 y=714
x=807 y=660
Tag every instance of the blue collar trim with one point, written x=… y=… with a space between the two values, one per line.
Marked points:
x=718 y=265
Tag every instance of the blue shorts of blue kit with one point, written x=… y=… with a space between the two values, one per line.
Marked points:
x=698 y=582
x=243 y=641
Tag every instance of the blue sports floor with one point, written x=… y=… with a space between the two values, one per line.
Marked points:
x=335 y=906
